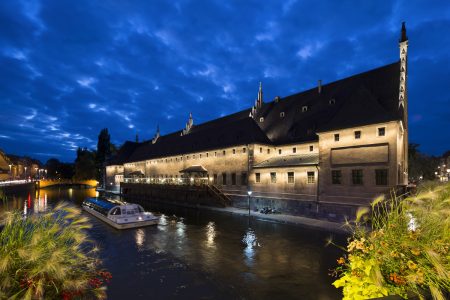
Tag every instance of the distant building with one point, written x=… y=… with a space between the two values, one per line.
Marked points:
x=4 y=166
x=337 y=145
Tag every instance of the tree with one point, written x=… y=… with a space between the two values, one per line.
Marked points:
x=420 y=164
x=104 y=151
x=85 y=167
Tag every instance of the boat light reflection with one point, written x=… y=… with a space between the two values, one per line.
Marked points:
x=139 y=237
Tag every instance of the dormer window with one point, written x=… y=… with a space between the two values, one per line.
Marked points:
x=261 y=120
x=332 y=101
x=304 y=108
x=282 y=114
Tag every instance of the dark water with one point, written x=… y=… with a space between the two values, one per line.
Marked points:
x=196 y=254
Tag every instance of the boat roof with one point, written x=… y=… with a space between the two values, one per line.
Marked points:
x=102 y=203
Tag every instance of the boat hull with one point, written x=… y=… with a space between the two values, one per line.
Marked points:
x=153 y=221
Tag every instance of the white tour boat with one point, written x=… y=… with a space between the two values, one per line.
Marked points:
x=120 y=216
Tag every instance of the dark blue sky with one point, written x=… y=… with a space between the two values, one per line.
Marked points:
x=71 y=68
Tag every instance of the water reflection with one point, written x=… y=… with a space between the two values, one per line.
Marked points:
x=260 y=260
x=210 y=234
x=140 y=238
x=251 y=243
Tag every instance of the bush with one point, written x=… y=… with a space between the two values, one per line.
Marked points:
x=48 y=256
x=405 y=252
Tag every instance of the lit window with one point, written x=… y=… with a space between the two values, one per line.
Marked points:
x=282 y=114
x=257 y=177
x=381 y=177
x=336 y=177
x=311 y=177
x=261 y=119
x=290 y=177
x=336 y=137
x=382 y=131
x=357 y=177
x=294 y=150
x=358 y=134
x=311 y=148
x=273 y=177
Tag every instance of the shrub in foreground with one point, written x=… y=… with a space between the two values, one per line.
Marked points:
x=48 y=256
x=404 y=250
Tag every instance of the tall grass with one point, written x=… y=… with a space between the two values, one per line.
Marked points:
x=48 y=256
x=406 y=251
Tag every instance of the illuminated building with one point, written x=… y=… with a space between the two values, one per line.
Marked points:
x=329 y=149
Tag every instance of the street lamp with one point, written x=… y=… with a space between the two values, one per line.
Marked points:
x=10 y=170
x=25 y=172
x=249 y=194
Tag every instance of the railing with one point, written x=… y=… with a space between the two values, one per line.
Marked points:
x=226 y=201
x=14 y=182
x=173 y=181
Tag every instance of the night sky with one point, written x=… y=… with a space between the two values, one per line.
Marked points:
x=71 y=68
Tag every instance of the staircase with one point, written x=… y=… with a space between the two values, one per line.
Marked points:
x=223 y=199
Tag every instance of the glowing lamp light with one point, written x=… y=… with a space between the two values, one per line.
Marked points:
x=249 y=193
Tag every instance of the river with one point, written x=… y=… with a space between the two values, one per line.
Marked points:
x=196 y=254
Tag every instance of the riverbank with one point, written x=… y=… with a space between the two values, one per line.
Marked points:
x=324 y=225
x=334 y=227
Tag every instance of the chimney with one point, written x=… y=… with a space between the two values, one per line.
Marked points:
x=319 y=87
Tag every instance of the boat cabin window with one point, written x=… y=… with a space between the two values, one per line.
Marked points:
x=115 y=211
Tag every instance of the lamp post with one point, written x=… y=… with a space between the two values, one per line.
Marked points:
x=249 y=194
x=25 y=172
x=10 y=170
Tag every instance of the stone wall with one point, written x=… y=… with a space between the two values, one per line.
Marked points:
x=175 y=194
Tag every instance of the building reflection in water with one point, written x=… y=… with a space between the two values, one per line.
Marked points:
x=251 y=243
x=210 y=235
x=139 y=235
x=181 y=228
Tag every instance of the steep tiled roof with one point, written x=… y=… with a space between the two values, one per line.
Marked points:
x=123 y=154
x=366 y=98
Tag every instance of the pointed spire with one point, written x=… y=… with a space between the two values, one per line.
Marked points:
x=156 y=135
x=259 y=102
x=403 y=36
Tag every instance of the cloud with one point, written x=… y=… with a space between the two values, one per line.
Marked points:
x=70 y=70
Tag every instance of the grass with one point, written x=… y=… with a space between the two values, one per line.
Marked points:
x=404 y=251
x=49 y=256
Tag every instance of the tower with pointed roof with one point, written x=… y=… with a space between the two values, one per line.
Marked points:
x=259 y=101
x=403 y=100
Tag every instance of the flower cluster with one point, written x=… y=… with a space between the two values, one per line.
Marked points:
x=396 y=258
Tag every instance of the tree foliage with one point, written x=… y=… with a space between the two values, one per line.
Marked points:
x=420 y=164
x=104 y=150
x=59 y=170
x=85 y=167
